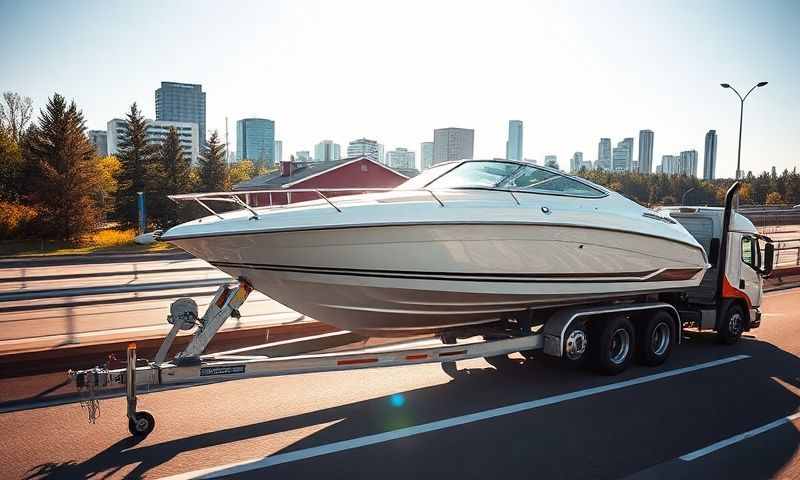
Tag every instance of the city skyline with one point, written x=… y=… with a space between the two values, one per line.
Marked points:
x=567 y=114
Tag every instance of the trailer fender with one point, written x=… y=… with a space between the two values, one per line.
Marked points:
x=556 y=326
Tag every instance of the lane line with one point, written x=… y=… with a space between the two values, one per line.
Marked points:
x=302 y=454
x=738 y=438
x=97 y=290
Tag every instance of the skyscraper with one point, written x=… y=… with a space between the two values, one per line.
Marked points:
x=255 y=141
x=604 y=154
x=327 y=151
x=646 y=151
x=364 y=147
x=576 y=162
x=710 y=155
x=622 y=156
x=278 y=151
x=452 y=144
x=514 y=142
x=401 y=158
x=182 y=102
x=426 y=155
x=688 y=160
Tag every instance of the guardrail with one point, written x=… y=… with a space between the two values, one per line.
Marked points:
x=787 y=252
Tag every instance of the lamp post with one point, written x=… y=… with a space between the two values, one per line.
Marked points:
x=683 y=197
x=741 y=114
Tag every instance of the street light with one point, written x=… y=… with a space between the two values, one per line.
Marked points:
x=683 y=197
x=741 y=114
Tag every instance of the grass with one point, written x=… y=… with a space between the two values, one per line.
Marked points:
x=103 y=241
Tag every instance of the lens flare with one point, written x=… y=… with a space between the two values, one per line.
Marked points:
x=397 y=400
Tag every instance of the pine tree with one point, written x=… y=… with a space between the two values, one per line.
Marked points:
x=64 y=183
x=214 y=172
x=135 y=156
x=171 y=174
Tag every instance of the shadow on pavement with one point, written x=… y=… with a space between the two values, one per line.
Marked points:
x=609 y=435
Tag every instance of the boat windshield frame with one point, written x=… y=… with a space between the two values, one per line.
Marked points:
x=601 y=192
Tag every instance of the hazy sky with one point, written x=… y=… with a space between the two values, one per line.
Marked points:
x=394 y=71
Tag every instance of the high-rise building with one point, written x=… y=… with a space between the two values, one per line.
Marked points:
x=646 y=151
x=710 y=156
x=622 y=156
x=278 y=151
x=364 y=147
x=514 y=142
x=689 y=162
x=551 y=161
x=255 y=141
x=182 y=102
x=326 y=151
x=99 y=139
x=426 y=155
x=452 y=144
x=576 y=162
x=604 y=154
x=302 y=156
x=670 y=165
x=401 y=158
x=155 y=134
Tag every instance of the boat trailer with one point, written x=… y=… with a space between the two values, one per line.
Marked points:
x=318 y=353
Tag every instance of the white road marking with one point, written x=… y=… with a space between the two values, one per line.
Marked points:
x=738 y=438
x=302 y=454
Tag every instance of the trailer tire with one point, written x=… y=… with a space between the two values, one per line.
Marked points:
x=141 y=424
x=576 y=346
x=611 y=345
x=731 y=325
x=656 y=336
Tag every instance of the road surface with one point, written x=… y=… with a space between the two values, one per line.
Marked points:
x=711 y=412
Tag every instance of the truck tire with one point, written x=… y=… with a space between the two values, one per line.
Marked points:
x=731 y=325
x=656 y=336
x=576 y=345
x=611 y=345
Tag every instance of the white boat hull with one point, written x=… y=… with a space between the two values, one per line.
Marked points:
x=395 y=280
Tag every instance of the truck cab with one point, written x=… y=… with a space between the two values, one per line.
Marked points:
x=728 y=299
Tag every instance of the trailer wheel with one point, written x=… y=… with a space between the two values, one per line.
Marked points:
x=576 y=344
x=141 y=424
x=656 y=336
x=611 y=345
x=731 y=325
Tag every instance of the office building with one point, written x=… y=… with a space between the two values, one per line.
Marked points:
x=426 y=155
x=401 y=158
x=576 y=162
x=586 y=165
x=604 y=154
x=278 y=152
x=452 y=144
x=327 y=151
x=99 y=139
x=155 y=134
x=364 y=147
x=182 y=102
x=255 y=141
x=302 y=156
x=551 y=161
x=689 y=162
x=514 y=142
x=710 y=156
x=683 y=164
x=646 y=151
x=622 y=156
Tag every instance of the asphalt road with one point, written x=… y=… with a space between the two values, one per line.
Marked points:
x=534 y=419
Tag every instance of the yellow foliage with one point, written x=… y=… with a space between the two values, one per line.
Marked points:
x=109 y=238
x=14 y=219
x=774 y=198
x=107 y=170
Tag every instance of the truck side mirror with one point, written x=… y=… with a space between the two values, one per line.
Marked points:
x=713 y=252
x=769 y=256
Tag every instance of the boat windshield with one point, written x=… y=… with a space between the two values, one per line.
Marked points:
x=503 y=175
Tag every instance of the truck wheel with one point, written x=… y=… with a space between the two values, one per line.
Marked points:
x=656 y=336
x=611 y=345
x=576 y=344
x=731 y=325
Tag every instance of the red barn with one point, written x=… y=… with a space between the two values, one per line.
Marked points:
x=360 y=172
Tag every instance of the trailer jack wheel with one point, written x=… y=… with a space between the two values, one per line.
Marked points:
x=141 y=424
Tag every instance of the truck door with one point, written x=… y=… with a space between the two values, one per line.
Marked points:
x=750 y=266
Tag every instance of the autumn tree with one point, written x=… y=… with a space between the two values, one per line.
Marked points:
x=135 y=156
x=65 y=182
x=11 y=168
x=108 y=169
x=15 y=114
x=214 y=175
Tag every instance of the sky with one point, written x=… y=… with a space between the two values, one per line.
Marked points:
x=572 y=71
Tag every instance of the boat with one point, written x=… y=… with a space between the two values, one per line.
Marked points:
x=462 y=244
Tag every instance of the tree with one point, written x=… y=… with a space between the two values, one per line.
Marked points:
x=242 y=171
x=108 y=169
x=135 y=155
x=11 y=168
x=172 y=176
x=65 y=182
x=15 y=114
x=774 y=198
x=214 y=175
